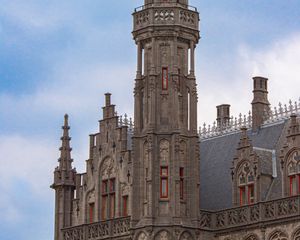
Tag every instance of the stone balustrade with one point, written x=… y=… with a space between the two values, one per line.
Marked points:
x=165 y=15
x=118 y=227
x=252 y=215
x=273 y=116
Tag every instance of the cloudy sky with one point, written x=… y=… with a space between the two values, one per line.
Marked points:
x=60 y=57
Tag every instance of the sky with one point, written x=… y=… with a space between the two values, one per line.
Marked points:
x=60 y=57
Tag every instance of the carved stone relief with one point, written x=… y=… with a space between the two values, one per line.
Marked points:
x=278 y=235
x=163 y=235
x=164 y=152
x=186 y=236
x=142 y=236
x=108 y=169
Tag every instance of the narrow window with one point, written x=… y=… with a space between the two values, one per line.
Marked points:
x=125 y=206
x=242 y=196
x=181 y=174
x=91 y=212
x=293 y=185
x=251 y=194
x=112 y=189
x=104 y=207
x=164 y=182
x=164 y=78
x=104 y=199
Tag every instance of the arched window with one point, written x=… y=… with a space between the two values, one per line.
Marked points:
x=246 y=184
x=278 y=235
x=108 y=189
x=293 y=171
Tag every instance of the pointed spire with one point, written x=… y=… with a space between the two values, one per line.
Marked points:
x=65 y=160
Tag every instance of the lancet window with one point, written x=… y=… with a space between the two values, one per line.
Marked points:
x=108 y=190
x=246 y=184
x=293 y=170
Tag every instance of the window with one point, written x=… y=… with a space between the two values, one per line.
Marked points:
x=104 y=199
x=112 y=196
x=164 y=78
x=293 y=169
x=125 y=206
x=181 y=174
x=242 y=196
x=91 y=212
x=246 y=185
x=108 y=198
x=164 y=182
x=251 y=194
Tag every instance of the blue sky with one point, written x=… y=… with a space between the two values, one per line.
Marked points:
x=60 y=57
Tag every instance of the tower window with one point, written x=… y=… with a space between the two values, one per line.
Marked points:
x=181 y=175
x=164 y=78
x=164 y=182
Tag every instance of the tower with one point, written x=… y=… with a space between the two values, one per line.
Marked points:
x=64 y=184
x=165 y=141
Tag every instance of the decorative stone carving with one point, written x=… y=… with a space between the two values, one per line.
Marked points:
x=297 y=235
x=164 y=152
x=142 y=236
x=251 y=237
x=108 y=169
x=163 y=235
x=186 y=236
x=278 y=235
x=164 y=15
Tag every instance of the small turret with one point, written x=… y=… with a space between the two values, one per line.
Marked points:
x=64 y=184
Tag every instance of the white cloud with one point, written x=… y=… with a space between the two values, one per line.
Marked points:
x=279 y=62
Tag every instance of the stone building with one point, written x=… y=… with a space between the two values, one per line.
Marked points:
x=163 y=178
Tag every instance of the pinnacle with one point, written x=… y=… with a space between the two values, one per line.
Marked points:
x=65 y=149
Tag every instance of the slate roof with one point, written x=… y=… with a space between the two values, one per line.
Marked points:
x=216 y=155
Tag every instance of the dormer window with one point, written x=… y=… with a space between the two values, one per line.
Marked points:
x=293 y=170
x=246 y=185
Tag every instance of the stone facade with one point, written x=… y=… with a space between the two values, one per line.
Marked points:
x=160 y=178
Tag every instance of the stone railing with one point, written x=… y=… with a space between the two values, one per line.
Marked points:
x=164 y=15
x=260 y=213
x=118 y=227
x=126 y=121
x=282 y=112
x=275 y=115
x=233 y=125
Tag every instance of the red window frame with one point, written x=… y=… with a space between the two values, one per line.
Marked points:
x=250 y=189
x=242 y=195
x=91 y=212
x=164 y=81
x=104 y=207
x=181 y=175
x=292 y=178
x=112 y=205
x=164 y=179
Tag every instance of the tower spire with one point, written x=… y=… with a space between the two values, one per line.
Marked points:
x=65 y=160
